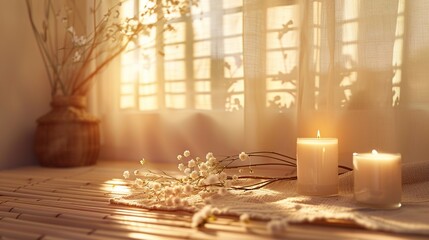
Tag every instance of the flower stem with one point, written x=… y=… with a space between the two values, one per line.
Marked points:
x=259 y=164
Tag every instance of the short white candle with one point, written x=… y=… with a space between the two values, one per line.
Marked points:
x=317 y=166
x=377 y=179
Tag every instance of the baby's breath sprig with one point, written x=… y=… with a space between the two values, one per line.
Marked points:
x=202 y=178
x=74 y=52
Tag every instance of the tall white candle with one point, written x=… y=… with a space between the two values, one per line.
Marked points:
x=317 y=166
x=378 y=179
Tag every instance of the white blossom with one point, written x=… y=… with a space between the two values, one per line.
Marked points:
x=191 y=163
x=187 y=188
x=169 y=201
x=202 y=166
x=77 y=56
x=197 y=219
x=168 y=191
x=181 y=167
x=243 y=156
x=216 y=211
x=126 y=174
x=187 y=171
x=179 y=157
x=136 y=172
x=177 y=201
x=211 y=179
x=194 y=175
x=187 y=153
x=222 y=176
x=209 y=155
x=142 y=161
x=156 y=186
x=78 y=41
x=138 y=182
x=244 y=218
x=276 y=227
x=212 y=160
x=204 y=173
x=71 y=30
x=206 y=211
x=177 y=189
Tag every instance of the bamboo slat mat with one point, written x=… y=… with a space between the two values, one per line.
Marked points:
x=47 y=203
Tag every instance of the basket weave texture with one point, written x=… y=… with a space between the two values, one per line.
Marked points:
x=67 y=136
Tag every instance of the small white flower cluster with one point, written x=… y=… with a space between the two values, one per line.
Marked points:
x=72 y=57
x=244 y=218
x=162 y=188
x=78 y=41
x=77 y=56
x=203 y=177
x=277 y=226
x=126 y=174
x=243 y=156
x=201 y=180
x=204 y=173
x=171 y=193
x=201 y=216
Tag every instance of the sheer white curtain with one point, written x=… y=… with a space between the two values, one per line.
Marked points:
x=248 y=75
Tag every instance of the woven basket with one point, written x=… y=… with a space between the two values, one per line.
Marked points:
x=67 y=136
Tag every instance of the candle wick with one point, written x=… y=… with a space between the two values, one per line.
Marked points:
x=318 y=134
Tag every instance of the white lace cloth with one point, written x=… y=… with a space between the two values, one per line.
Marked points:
x=280 y=201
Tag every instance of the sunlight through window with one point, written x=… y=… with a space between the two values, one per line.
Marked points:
x=397 y=54
x=116 y=187
x=317 y=18
x=176 y=69
x=232 y=30
x=347 y=75
x=138 y=68
x=282 y=56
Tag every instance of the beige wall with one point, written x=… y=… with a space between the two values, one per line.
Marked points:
x=24 y=90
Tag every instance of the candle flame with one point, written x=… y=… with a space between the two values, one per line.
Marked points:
x=374 y=151
x=318 y=133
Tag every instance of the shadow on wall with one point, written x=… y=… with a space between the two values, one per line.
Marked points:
x=159 y=137
x=380 y=124
x=24 y=88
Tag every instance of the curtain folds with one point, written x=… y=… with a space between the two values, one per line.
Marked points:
x=254 y=75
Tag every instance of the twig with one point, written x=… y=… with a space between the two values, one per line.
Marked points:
x=258 y=164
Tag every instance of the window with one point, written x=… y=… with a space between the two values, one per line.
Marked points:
x=196 y=66
x=200 y=64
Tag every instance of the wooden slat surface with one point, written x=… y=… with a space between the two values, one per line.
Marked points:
x=48 y=203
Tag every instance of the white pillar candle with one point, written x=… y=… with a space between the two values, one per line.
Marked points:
x=317 y=166
x=377 y=179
